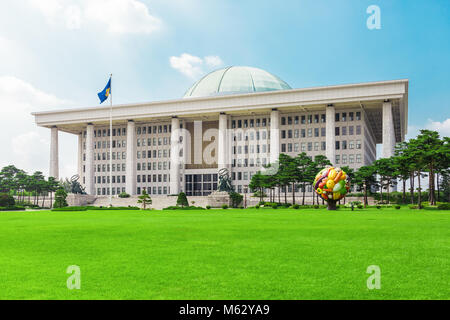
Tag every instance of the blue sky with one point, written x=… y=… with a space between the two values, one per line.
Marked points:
x=58 y=53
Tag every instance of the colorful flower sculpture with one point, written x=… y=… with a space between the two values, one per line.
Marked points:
x=332 y=185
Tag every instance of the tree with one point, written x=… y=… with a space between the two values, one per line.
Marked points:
x=256 y=183
x=52 y=186
x=144 y=199
x=365 y=178
x=8 y=179
x=60 y=198
x=403 y=165
x=387 y=170
x=305 y=166
x=182 y=200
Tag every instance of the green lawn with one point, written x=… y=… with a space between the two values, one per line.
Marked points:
x=225 y=254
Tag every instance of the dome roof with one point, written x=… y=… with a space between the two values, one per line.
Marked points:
x=236 y=80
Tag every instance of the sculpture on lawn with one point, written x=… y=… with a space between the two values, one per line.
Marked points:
x=332 y=184
x=224 y=184
x=75 y=186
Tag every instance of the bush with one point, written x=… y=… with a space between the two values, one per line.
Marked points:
x=296 y=206
x=208 y=207
x=444 y=206
x=236 y=199
x=70 y=209
x=184 y=208
x=60 y=199
x=397 y=207
x=6 y=200
x=257 y=206
x=224 y=206
x=378 y=207
x=182 y=200
x=124 y=195
x=413 y=206
x=316 y=206
x=274 y=205
x=13 y=208
x=360 y=206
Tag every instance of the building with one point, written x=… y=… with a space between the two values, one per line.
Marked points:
x=239 y=118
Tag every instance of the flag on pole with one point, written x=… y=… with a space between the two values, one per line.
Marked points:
x=103 y=95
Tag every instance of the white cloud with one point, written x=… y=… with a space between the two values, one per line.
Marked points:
x=442 y=127
x=23 y=143
x=118 y=16
x=192 y=66
x=213 y=61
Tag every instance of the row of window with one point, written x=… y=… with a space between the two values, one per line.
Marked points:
x=160 y=165
x=107 y=132
x=156 y=129
x=263 y=122
x=352 y=144
x=342 y=159
x=249 y=162
x=155 y=190
x=343 y=130
x=264 y=148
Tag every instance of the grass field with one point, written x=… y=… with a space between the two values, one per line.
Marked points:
x=225 y=254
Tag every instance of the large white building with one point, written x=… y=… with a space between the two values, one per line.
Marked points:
x=239 y=118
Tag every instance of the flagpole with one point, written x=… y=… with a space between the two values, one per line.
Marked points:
x=110 y=143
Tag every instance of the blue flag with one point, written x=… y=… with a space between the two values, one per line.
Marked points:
x=103 y=95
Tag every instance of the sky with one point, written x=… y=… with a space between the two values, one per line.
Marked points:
x=58 y=54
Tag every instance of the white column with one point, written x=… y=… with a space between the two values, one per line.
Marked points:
x=388 y=131
x=130 y=183
x=330 y=134
x=222 y=145
x=274 y=135
x=175 y=156
x=89 y=174
x=80 y=156
x=54 y=161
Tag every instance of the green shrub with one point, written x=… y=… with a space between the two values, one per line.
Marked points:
x=413 y=206
x=274 y=205
x=182 y=200
x=184 y=208
x=124 y=195
x=397 y=207
x=6 y=200
x=378 y=207
x=444 y=206
x=60 y=199
x=316 y=206
x=13 y=208
x=296 y=206
x=236 y=199
x=208 y=207
x=257 y=206
x=70 y=209
x=224 y=206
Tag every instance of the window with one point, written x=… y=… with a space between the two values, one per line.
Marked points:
x=338 y=158
x=324 y=145
x=351 y=144
x=316 y=118
x=358 y=130
x=344 y=159
x=344 y=144
x=336 y=131
x=283 y=121
x=310 y=132
x=358 y=116
x=309 y=146
x=303 y=119
x=344 y=116
x=338 y=145
x=323 y=132
x=358 y=144
x=358 y=158
x=350 y=116
x=323 y=118
x=350 y=130
x=344 y=131
x=316 y=132
x=316 y=146
x=351 y=158
x=336 y=117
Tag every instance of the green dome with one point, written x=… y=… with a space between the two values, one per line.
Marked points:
x=236 y=80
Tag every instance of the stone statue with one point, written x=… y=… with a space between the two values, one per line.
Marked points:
x=75 y=186
x=224 y=181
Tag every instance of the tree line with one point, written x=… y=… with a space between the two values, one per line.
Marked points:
x=413 y=160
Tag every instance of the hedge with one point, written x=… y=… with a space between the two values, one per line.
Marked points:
x=184 y=208
x=13 y=208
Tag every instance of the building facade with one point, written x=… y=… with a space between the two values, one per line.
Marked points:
x=238 y=118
